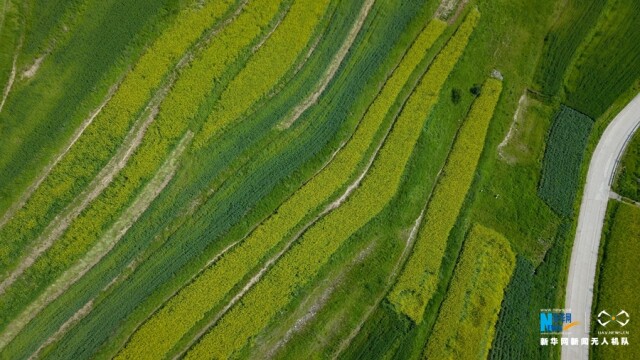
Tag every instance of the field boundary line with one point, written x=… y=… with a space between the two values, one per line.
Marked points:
x=310 y=310
x=184 y=60
x=327 y=209
x=14 y=66
x=74 y=138
x=77 y=316
x=62 y=221
x=331 y=70
x=131 y=142
x=110 y=238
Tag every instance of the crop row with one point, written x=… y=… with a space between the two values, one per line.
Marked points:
x=315 y=248
x=192 y=302
x=185 y=248
x=99 y=141
x=466 y=322
x=277 y=55
x=599 y=75
x=72 y=78
x=562 y=159
x=180 y=106
x=419 y=279
x=562 y=41
x=513 y=324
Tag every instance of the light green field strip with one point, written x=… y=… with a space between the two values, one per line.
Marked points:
x=466 y=322
x=103 y=246
x=266 y=68
x=178 y=108
x=103 y=133
x=191 y=304
x=305 y=259
x=419 y=279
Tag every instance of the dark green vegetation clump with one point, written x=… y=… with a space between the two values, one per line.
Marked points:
x=562 y=159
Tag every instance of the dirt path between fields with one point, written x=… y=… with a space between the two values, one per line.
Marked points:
x=74 y=138
x=311 y=309
x=33 y=69
x=133 y=139
x=333 y=205
x=184 y=61
x=103 y=246
x=330 y=72
x=79 y=315
x=57 y=227
x=447 y=7
x=12 y=75
x=513 y=129
x=390 y=280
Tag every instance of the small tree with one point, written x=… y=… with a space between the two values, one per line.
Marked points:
x=475 y=89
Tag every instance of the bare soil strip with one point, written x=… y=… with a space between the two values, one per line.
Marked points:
x=14 y=70
x=103 y=246
x=33 y=69
x=447 y=7
x=513 y=129
x=332 y=69
x=45 y=172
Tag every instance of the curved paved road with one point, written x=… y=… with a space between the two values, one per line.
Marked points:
x=584 y=255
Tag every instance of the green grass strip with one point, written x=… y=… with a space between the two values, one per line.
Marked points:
x=419 y=279
x=191 y=304
x=305 y=259
x=466 y=322
x=100 y=139
x=264 y=70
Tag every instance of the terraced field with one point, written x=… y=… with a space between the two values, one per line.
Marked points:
x=296 y=178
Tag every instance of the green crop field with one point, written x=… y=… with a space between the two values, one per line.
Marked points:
x=564 y=37
x=589 y=89
x=562 y=158
x=615 y=289
x=465 y=324
x=292 y=179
